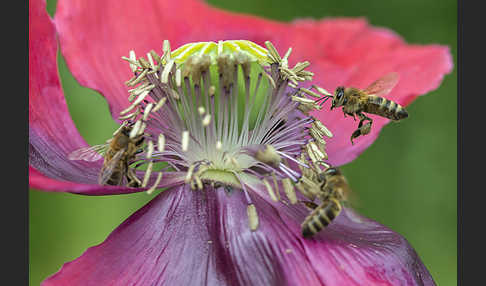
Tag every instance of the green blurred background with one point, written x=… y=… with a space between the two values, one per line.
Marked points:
x=416 y=197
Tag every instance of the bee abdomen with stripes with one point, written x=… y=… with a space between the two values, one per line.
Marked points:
x=385 y=107
x=321 y=217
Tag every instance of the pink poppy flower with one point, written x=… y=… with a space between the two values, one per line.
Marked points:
x=201 y=233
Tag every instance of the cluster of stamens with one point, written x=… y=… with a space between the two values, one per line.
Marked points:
x=186 y=105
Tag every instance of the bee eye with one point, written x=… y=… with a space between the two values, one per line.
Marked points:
x=340 y=93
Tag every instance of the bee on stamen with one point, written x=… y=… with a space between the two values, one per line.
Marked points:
x=118 y=152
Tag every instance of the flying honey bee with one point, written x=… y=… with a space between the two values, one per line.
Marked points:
x=370 y=100
x=333 y=193
x=118 y=153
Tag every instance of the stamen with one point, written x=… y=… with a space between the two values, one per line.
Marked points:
x=164 y=78
x=151 y=61
x=318 y=125
x=166 y=50
x=289 y=190
x=159 y=104
x=155 y=56
x=142 y=128
x=178 y=77
x=212 y=90
x=206 y=120
x=154 y=186
x=120 y=128
x=161 y=143
x=228 y=147
x=201 y=110
x=130 y=115
x=150 y=149
x=185 y=140
x=252 y=217
x=275 y=183
x=321 y=90
x=137 y=101
x=137 y=79
x=268 y=156
x=147 y=111
x=272 y=52
x=133 y=58
x=135 y=129
x=146 y=177
x=219 y=145
x=270 y=190
x=189 y=173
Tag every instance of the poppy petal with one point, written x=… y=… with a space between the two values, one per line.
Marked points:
x=341 y=51
x=52 y=133
x=186 y=237
x=170 y=241
x=50 y=124
x=358 y=56
x=353 y=250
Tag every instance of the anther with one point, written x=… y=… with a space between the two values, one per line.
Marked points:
x=189 y=173
x=219 y=145
x=185 y=140
x=120 y=128
x=135 y=129
x=146 y=177
x=154 y=186
x=201 y=110
x=252 y=217
x=318 y=124
x=133 y=58
x=206 y=120
x=161 y=143
x=275 y=183
x=166 y=50
x=289 y=190
x=268 y=156
x=147 y=111
x=178 y=77
x=164 y=78
x=212 y=90
x=137 y=101
x=150 y=149
x=138 y=78
x=159 y=104
x=151 y=61
x=270 y=190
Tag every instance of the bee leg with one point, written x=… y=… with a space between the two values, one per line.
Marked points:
x=133 y=181
x=362 y=129
x=310 y=205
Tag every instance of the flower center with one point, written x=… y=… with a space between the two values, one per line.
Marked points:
x=227 y=114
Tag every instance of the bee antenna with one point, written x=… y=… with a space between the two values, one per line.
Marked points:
x=323 y=100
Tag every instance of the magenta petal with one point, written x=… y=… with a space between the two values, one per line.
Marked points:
x=49 y=121
x=341 y=51
x=113 y=28
x=173 y=240
x=185 y=237
x=353 y=251
x=360 y=56
x=358 y=251
x=52 y=134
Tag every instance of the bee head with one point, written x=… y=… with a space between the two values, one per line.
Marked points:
x=338 y=98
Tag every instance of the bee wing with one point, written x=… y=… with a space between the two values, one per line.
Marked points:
x=383 y=85
x=90 y=153
x=109 y=167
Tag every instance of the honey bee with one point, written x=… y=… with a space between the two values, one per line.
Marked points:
x=370 y=100
x=118 y=152
x=333 y=194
